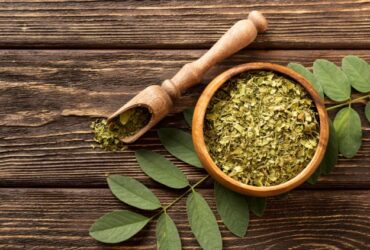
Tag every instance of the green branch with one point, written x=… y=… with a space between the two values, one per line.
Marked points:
x=348 y=102
x=164 y=209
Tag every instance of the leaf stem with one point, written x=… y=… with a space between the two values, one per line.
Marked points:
x=191 y=188
x=348 y=102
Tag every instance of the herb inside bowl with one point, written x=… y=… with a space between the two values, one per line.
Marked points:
x=261 y=128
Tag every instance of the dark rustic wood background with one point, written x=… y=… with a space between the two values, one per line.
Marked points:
x=65 y=62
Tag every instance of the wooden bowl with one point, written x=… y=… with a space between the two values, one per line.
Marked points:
x=216 y=172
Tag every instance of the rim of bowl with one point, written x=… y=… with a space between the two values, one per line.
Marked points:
x=216 y=172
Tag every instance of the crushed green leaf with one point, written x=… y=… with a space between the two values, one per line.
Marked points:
x=106 y=138
x=131 y=121
x=128 y=123
x=261 y=128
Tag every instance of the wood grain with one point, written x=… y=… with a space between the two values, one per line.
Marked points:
x=60 y=219
x=334 y=24
x=49 y=97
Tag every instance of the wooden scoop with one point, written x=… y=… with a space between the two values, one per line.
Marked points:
x=159 y=99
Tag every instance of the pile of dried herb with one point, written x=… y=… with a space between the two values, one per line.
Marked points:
x=128 y=123
x=261 y=128
x=131 y=121
x=106 y=138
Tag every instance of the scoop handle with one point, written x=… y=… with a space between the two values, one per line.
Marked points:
x=240 y=35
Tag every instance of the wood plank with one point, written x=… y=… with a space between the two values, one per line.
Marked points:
x=180 y=24
x=48 y=99
x=60 y=218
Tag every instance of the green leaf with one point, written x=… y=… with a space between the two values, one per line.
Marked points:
x=331 y=154
x=367 y=111
x=330 y=158
x=132 y=192
x=160 y=169
x=188 y=115
x=347 y=124
x=117 y=226
x=167 y=235
x=203 y=222
x=257 y=205
x=233 y=209
x=313 y=178
x=358 y=72
x=306 y=73
x=332 y=79
x=180 y=145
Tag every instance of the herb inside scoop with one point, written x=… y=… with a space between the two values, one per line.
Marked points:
x=131 y=121
x=261 y=128
x=126 y=124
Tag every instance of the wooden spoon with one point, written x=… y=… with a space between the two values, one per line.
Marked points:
x=159 y=99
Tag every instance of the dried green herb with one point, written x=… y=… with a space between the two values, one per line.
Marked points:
x=131 y=121
x=106 y=138
x=128 y=123
x=261 y=128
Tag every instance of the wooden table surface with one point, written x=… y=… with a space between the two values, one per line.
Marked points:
x=65 y=62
